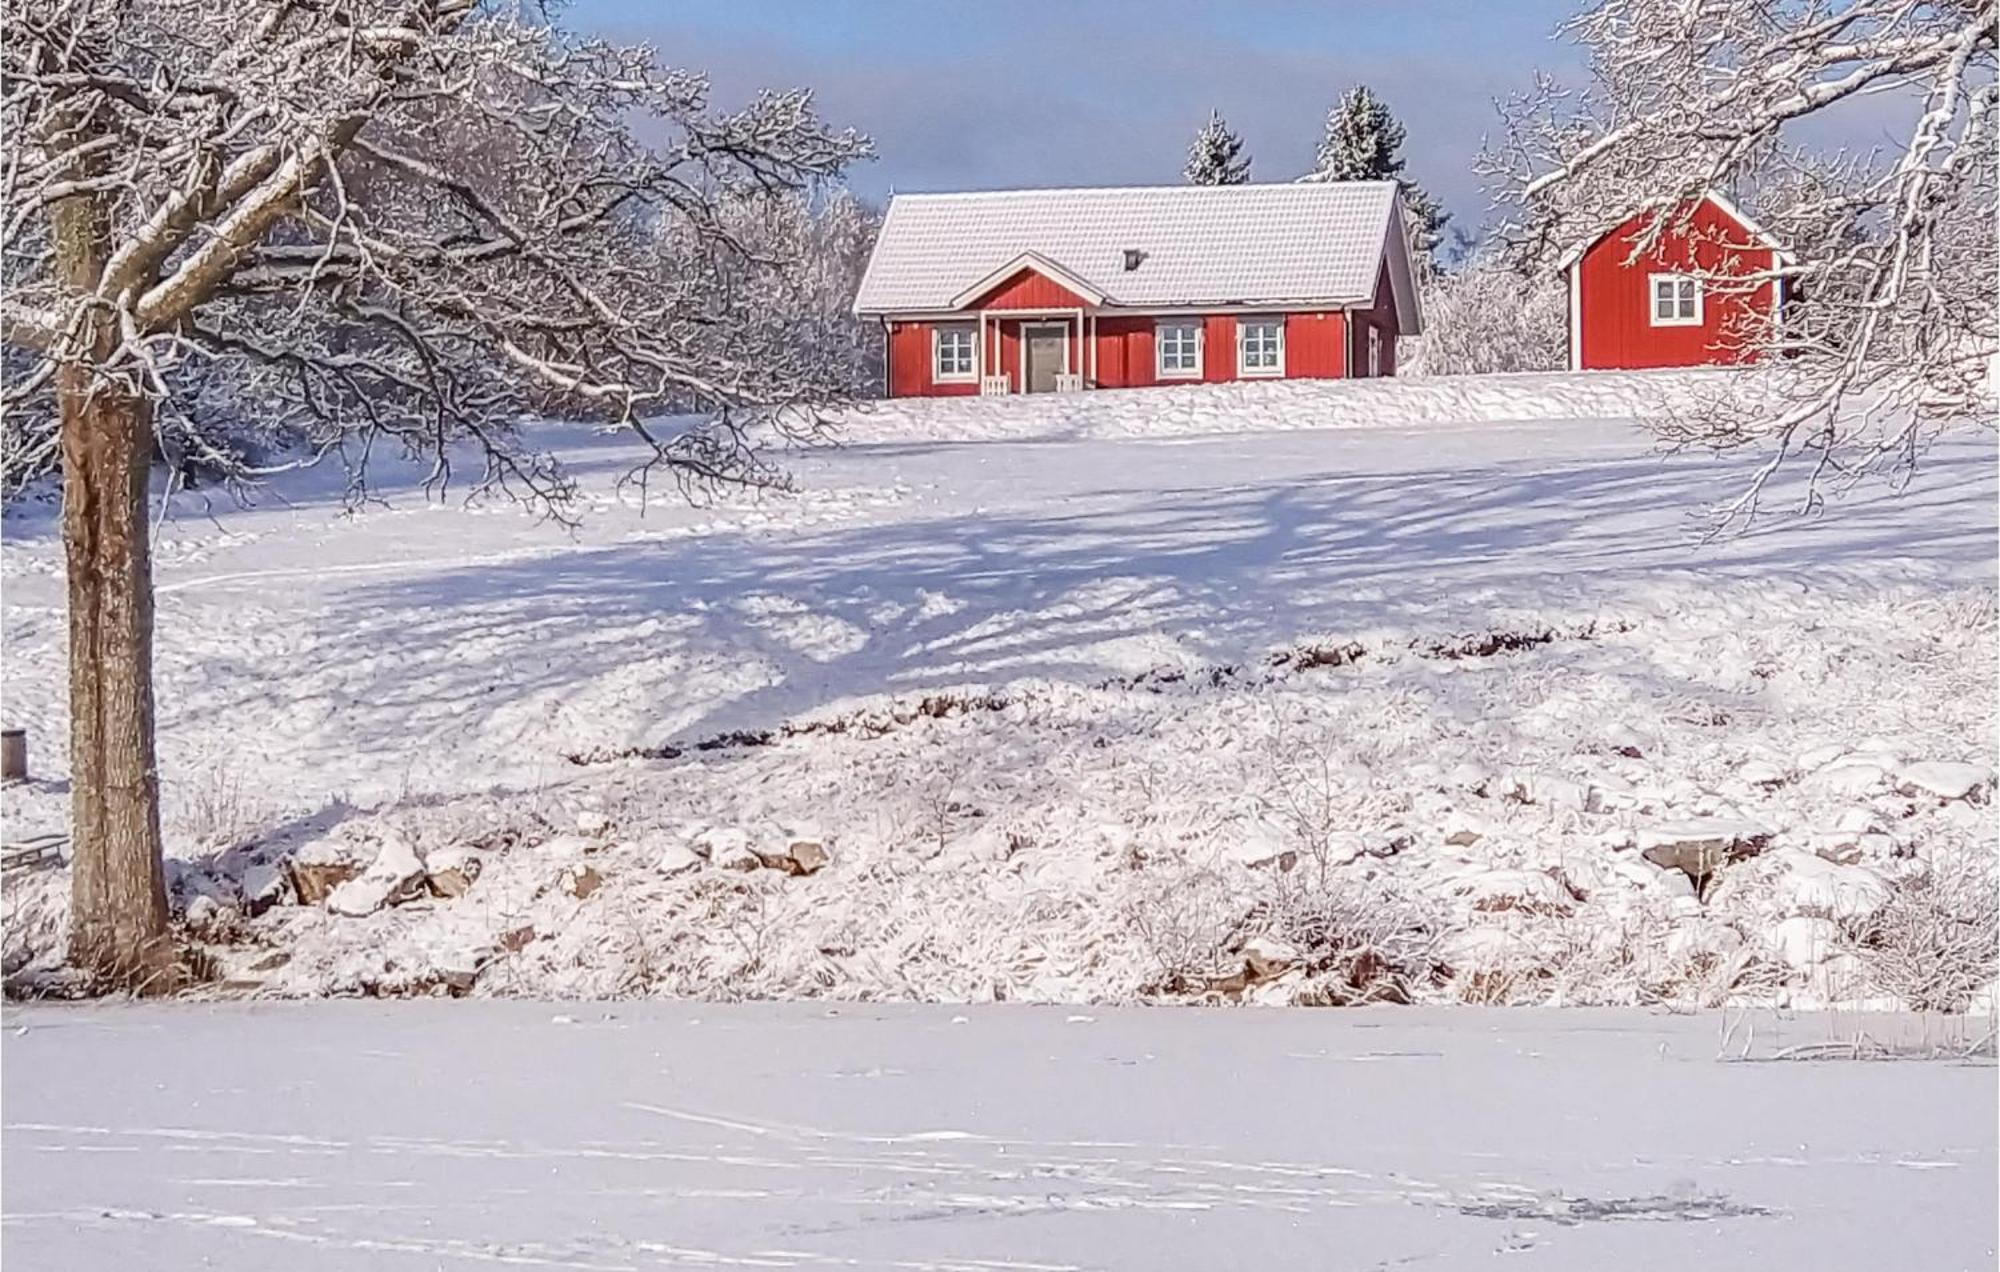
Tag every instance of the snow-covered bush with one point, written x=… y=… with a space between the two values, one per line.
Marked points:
x=1484 y=317
x=1935 y=945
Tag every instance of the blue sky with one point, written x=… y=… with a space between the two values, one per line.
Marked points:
x=1036 y=92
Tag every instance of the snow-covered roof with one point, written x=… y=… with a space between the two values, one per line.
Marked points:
x=1203 y=245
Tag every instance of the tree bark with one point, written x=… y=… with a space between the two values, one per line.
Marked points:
x=118 y=900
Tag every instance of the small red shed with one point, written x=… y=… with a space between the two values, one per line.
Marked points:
x=1037 y=291
x=1700 y=296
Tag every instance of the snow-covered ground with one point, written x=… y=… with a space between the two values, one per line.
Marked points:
x=439 y=1137
x=1087 y=699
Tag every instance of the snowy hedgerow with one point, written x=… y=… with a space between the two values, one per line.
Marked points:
x=1486 y=316
x=1216 y=157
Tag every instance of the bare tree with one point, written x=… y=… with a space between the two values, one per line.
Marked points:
x=371 y=223
x=1892 y=252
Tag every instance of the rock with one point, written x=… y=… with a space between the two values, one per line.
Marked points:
x=1547 y=790
x=1802 y=941
x=1470 y=777
x=1761 y=773
x=1843 y=850
x=1610 y=793
x=729 y=848
x=1945 y=779
x=204 y=915
x=1529 y=891
x=581 y=881
x=1700 y=846
x=1698 y=939
x=1809 y=884
x=804 y=853
x=1619 y=739
x=1267 y=957
x=265 y=885
x=1848 y=779
x=677 y=859
x=395 y=876
x=1820 y=757
x=318 y=868
x=593 y=822
x=1260 y=846
x=569 y=847
x=448 y=872
x=1463 y=838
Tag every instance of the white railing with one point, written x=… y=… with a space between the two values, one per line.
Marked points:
x=995 y=386
x=1069 y=383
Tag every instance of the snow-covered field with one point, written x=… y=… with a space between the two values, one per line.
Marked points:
x=1288 y=692
x=640 y=1136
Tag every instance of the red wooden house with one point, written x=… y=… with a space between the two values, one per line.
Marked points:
x=1036 y=291
x=1697 y=297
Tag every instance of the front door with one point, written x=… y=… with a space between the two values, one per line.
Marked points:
x=1047 y=351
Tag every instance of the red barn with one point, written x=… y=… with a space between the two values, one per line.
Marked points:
x=1039 y=291
x=1678 y=304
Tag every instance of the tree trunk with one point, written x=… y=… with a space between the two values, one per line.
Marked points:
x=118 y=899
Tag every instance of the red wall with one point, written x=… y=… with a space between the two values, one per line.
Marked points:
x=1381 y=318
x=1315 y=345
x=1615 y=294
x=1315 y=349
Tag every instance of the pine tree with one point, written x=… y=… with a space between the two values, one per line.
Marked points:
x=1364 y=142
x=1216 y=156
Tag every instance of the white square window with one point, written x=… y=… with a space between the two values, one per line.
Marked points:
x=1676 y=300
x=1178 y=349
x=1260 y=346
x=954 y=354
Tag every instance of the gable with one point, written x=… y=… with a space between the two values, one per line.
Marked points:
x=1029 y=288
x=1713 y=229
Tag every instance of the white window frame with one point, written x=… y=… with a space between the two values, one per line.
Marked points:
x=1374 y=351
x=971 y=373
x=1160 y=328
x=1653 y=284
x=1243 y=368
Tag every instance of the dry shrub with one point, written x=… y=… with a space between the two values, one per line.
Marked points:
x=1936 y=943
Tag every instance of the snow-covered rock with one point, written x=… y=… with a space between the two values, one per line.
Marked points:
x=1699 y=846
x=1530 y=891
x=676 y=858
x=1802 y=941
x=1945 y=779
x=263 y=885
x=729 y=848
x=1807 y=883
x=450 y=871
x=395 y=876
x=1849 y=779
x=321 y=866
x=1761 y=773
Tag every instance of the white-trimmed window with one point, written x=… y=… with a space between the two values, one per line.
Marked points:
x=954 y=354
x=1177 y=350
x=1374 y=352
x=1260 y=346
x=1676 y=300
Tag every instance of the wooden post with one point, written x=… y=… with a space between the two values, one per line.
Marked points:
x=13 y=755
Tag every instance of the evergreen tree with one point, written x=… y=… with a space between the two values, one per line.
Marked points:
x=1364 y=142
x=1216 y=157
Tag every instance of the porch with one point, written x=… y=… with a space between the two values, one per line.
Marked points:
x=1036 y=351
